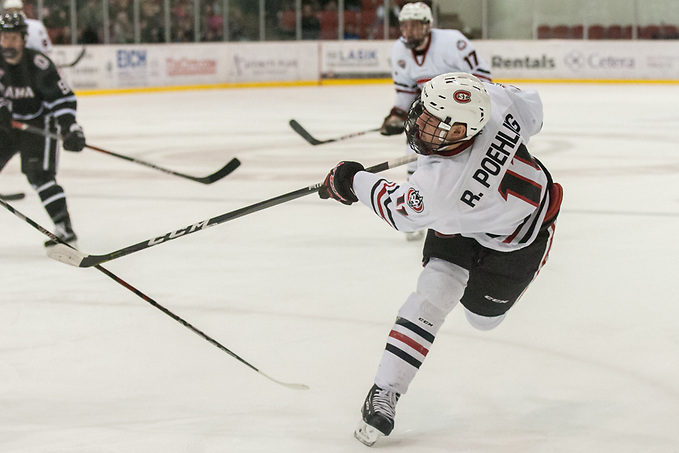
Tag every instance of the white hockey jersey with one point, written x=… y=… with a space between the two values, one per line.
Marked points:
x=448 y=51
x=37 y=38
x=494 y=191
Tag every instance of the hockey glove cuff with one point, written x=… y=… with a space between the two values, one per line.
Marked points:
x=339 y=183
x=74 y=140
x=394 y=123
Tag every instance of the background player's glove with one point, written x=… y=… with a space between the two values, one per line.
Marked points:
x=5 y=127
x=75 y=139
x=339 y=183
x=394 y=123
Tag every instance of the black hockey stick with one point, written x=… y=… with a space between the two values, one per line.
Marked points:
x=216 y=176
x=76 y=61
x=314 y=141
x=12 y=196
x=153 y=302
x=68 y=255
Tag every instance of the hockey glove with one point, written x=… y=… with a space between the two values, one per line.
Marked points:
x=339 y=183
x=74 y=140
x=394 y=123
x=5 y=129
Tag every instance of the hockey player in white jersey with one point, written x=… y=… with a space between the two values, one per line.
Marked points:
x=420 y=54
x=37 y=37
x=489 y=207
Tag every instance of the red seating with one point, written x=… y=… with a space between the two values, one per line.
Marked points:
x=596 y=31
x=367 y=20
x=351 y=18
x=577 y=31
x=329 y=23
x=544 y=31
x=287 y=20
x=561 y=32
x=649 y=32
x=668 y=31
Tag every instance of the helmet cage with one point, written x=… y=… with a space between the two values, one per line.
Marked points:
x=430 y=141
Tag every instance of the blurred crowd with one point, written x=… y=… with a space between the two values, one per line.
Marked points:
x=362 y=19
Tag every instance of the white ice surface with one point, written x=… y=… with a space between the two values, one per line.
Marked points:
x=587 y=361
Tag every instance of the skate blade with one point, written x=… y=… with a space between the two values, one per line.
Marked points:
x=366 y=434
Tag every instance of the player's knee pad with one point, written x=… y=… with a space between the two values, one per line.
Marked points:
x=483 y=322
x=423 y=313
x=442 y=283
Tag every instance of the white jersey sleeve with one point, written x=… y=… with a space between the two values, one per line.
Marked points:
x=448 y=51
x=37 y=38
x=494 y=192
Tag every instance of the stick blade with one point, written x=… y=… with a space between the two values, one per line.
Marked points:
x=290 y=385
x=225 y=170
x=305 y=135
x=13 y=196
x=66 y=254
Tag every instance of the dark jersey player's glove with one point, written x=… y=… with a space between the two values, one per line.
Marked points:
x=74 y=140
x=339 y=183
x=5 y=127
x=394 y=123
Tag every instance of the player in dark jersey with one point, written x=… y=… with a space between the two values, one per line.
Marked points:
x=38 y=96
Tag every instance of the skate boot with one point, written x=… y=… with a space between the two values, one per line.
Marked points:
x=379 y=410
x=64 y=232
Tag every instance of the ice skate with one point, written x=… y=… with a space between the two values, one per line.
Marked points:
x=64 y=232
x=378 y=412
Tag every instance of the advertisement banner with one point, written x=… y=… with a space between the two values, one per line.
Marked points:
x=161 y=65
x=274 y=61
x=581 y=60
x=356 y=59
x=139 y=66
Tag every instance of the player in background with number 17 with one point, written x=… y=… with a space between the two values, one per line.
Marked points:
x=490 y=209
x=420 y=54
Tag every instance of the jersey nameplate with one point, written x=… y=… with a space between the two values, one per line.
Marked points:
x=497 y=155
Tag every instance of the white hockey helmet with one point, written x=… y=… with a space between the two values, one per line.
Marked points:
x=13 y=4
x=455 y=97
x=415 y=11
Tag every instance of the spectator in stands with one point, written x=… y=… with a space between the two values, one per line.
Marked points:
x=123 y=29
x=394 y=9
x=350 y=31
x=90 y=21
x=151 y=23
x=311 y=24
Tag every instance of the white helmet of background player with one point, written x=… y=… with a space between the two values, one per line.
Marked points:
x=13 y=5
x=447 y=100
x=420 y=13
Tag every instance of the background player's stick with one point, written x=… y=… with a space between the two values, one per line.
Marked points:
x=216 y=176
x=153 y=302
x=12 y=196
x=68 y=255
x=314 y=141
x=76 y=61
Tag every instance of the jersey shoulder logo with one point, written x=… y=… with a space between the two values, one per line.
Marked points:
x=415 y=201
x=41 y=62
